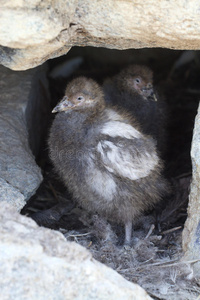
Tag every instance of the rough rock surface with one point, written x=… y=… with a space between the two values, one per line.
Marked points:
x=19 y=174
x=191 y=233
x=34 y=31
x=38 y=263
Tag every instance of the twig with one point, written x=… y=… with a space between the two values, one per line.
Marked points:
x=174 y=263
x=171 y=230
x=144 y=262
x=79 y=235
x=183 y=175
x=183 y=262
x=150 y=231
x=32 y=209
x=158 y=264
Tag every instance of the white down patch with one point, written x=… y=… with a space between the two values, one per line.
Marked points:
x=120 y=161
x=113 y=115
x=120 y=129
x=100 y=182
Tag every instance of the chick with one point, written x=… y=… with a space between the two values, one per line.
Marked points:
x=104 y=160
x=133 y=90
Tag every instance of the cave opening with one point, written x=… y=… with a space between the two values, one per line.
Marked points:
x=157 y=234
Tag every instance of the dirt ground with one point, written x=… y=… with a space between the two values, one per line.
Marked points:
x=154 y=261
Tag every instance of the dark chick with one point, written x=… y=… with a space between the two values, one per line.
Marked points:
x=104 y=160
x=133 y=90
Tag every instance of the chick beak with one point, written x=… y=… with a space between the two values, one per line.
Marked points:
x=63 y=105
x=152 y=95
x=148 y=92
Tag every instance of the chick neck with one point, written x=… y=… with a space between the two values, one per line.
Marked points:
x=92 y=112
x=83 y=118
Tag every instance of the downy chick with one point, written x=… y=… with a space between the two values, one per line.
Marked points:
x=104 y=160
x=133 y=90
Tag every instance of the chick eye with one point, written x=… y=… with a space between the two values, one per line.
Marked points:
x=80 y=98
x=137 y=80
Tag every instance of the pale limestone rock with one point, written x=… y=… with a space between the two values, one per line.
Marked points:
x=34 y=31
x=38 y=263
x=20 y=108
x=191 y=233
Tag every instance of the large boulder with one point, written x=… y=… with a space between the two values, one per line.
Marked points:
x=34 y=31
x=38 y=263
x=191 y=233
x=21 y=106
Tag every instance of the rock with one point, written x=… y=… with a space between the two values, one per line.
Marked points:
x=34 y=31
x=11 y=194
x=20 y=109
x=191 y=233
x=38 y=263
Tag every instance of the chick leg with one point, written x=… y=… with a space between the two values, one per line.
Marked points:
x=128 y=232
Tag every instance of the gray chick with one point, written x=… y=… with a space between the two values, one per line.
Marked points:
x=133 y=90
x=104 y=160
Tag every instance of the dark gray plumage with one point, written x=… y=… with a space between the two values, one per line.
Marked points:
x=133 y=90
x=107 y=164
